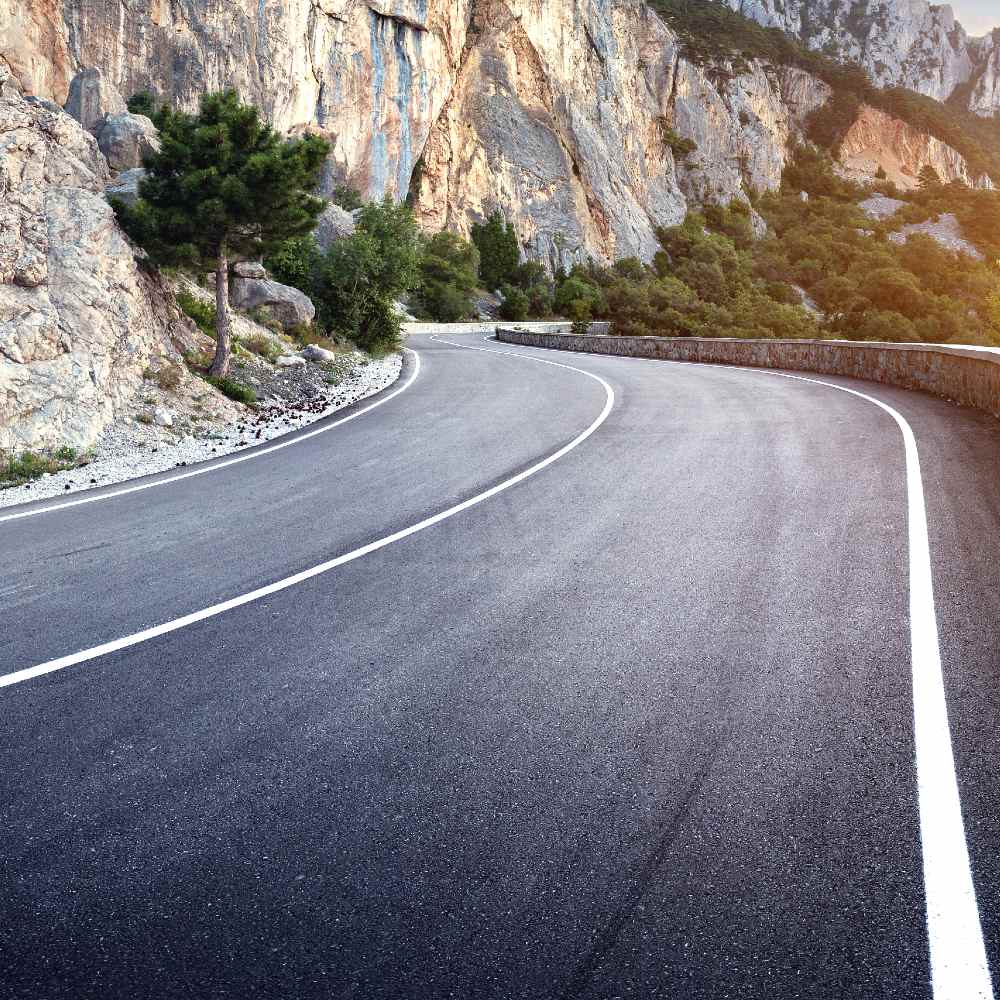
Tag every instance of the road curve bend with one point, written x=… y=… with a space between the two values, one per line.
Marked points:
x=586 y=678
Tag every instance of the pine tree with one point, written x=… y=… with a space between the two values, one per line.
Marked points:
x=224 y=187
x=928 y=178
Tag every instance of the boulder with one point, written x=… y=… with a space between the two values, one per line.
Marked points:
x=287 y=305
x=126 y=186
x=125 y=139
x=249 y=269
x=163 y=417
x=314 y=353
x=290 y=361
x=79 y=321
x=92 y=98
x=334 y=223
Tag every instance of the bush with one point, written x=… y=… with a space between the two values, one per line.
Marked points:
x=449 y=268
x=29 y=465
x=203 y=313
x=166 y=377
x=263 y=346
x=499 y=251
x=357 y=282
x=234 y=390
x=347 y=197
x=514 y=305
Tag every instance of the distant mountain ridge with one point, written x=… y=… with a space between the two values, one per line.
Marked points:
x=901 y=43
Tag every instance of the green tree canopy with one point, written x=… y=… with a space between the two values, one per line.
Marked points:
x=449 y=270
x=223 y=187
x=499 y=251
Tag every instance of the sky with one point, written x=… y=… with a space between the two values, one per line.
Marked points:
x=977 y=16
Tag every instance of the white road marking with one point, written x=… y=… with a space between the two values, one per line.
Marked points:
x=959 y=966
x=209 y=466
x=114 y=645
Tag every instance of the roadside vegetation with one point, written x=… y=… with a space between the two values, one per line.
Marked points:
x=16 y=470
x=224 y=186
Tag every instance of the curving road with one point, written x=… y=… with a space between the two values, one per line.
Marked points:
x=638 y=722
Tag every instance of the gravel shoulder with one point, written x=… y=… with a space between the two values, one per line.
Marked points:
x=127 y=451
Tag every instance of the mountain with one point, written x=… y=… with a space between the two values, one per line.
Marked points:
x=589 y=122
x=901 y=43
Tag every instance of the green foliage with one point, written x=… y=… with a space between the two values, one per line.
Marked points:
x=355 y=285
x=449 y=269
x=234 y=390
x=15 y=470
x=144 y=103
x=203 y=313
x=223 y=183
x=346 y=197
x=499 y=251
x=294 y=261
x=515 y=303
x=681 y=148
x=713 y=35
x=928 y=178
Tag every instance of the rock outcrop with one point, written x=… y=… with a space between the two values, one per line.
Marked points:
x=287 y=305
x=565 y=121
x=576 y=117
x=902 y=43
x=560 y=113
x=79 y=321
x=125 y=139
x=876 y=139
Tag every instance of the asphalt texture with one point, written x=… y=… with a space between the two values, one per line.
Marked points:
x=639 y=726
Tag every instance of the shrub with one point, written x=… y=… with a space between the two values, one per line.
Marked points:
x=166 y=376
x=514 y=305
x=361 y=276
x=449 y=267
x=346 y=197
x=233 y=389
x=203 y=313
x=499 y=251
x=263 y=346
x=29 y=465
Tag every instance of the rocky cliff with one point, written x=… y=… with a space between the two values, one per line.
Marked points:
x=560 y=112
x=902 y=43
x=80 y=322
x=566 y=113
x=876 y=139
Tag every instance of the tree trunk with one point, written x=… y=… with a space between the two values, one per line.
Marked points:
x=220 y=365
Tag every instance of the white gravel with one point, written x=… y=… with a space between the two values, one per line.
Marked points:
x=128 y=451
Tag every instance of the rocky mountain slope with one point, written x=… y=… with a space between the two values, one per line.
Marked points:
x=569 y=115
x=80 y=322
x=561 y=113
x=902 y=43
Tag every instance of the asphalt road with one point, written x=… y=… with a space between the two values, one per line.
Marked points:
x=639 y=725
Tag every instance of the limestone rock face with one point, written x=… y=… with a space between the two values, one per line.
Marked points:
x=985 y=99
x=334 y=223
x=902 y=43
x=125 y=139
x=79 y=322
x=877 y=139
x=561 y=114
x=92 y=98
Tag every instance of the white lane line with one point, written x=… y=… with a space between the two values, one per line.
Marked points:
x=201 y=471
x=959 y=966
x=17 y=676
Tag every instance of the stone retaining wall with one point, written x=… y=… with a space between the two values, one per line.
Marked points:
x=967 y=375
x=491 y=326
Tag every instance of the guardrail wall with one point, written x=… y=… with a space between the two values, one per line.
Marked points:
x=967 y=375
